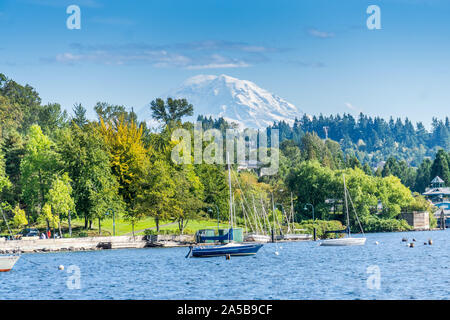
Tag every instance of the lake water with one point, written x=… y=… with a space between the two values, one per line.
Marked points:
x=302 y=270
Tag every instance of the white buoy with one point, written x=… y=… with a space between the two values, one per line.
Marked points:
x=376 y=242
x=277 y=253
x=61 y=267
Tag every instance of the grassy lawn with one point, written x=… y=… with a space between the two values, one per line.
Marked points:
x=124 y=227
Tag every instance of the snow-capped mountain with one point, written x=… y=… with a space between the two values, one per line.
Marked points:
x=239 y=101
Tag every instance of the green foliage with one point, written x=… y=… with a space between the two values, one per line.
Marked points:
x=19 y=217
x=321 y=226
x=40 y=163
x=156 y=192
x=87 y=161
x=47 y=216
x=373 y=140
x=441 y=167
x=60 y=196
x=172 y=110
x=4 y=181
x=375 y=224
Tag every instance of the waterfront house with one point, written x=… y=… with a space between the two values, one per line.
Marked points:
x=439 y=195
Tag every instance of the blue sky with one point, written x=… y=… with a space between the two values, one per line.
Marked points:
x=319 y=55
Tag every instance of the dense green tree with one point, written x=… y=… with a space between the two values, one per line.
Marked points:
x=86 y=159
x=156 y=192
x=215 y=185
x=440 y=166
x=60 y=199
x=172 y=110
x=79 y=117
x=40 y=163
x=423 y=176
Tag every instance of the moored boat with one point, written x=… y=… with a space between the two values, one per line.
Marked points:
x=349 y=240
x=254 y=237
x=8 y=262
x=297 y=236
x=344 y=242
x=231 y=249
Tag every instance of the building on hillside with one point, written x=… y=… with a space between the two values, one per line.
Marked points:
x=250 y=165
x=439 y=195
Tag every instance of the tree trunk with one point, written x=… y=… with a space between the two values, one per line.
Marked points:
x=85 y=222
x=59 y=226
x=70 y=226
x=90 y=224
x=99 y=227
x=132 y=228
x=41 y=188
x=157 y=223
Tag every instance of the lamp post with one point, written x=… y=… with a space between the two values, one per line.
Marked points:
x=218 y=213
x=314 y=220
x=282 y=211
x=108 y=212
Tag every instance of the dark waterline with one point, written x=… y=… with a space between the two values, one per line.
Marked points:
x=302 y=270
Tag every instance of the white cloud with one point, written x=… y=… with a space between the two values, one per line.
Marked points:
x=352 y=107
x=320 y=34
x=192 y=56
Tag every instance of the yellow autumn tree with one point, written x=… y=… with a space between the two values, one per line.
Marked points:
x=128 y=155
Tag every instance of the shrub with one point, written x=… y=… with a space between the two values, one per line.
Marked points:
x=321 y=226
x=433 y=221
x=375 y=224
x=82 y=234
x=150 y=232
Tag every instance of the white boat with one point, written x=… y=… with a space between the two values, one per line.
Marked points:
x=349 y=240
x=8 y=262
x=254 y=237
x=297 y=236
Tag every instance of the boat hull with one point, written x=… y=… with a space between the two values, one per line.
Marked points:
x=7 y=262
x=297 y=237
x=225 y=250
x=257 y=238
x=344 y=242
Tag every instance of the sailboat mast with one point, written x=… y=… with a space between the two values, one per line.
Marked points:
x=346 y=207
x=273 y=213
x=231 y=195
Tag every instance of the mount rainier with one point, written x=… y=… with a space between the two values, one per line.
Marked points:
x=239 y=101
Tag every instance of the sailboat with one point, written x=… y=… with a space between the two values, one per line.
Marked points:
x=349 y=240
x=293 y=236
x=7 y=262
x=258 y=234
x=231 y=248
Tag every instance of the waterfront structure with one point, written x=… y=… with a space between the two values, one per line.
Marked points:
x=417 y=220
x=439 y=195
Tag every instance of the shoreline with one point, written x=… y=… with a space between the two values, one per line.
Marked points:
x=116 y=242
x=93 y=243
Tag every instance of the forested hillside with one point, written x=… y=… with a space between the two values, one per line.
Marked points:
x=373 y=140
